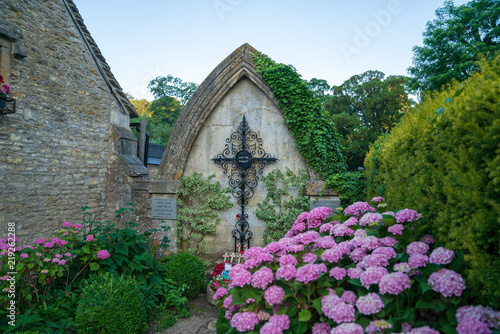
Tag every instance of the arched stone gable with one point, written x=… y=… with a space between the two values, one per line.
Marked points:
x=225 y=76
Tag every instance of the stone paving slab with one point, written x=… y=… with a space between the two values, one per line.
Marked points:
x=202 y=320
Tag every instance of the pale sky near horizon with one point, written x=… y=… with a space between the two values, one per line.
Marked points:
x=325 y=39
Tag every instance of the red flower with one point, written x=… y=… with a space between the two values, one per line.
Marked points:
x=238 y=216
x=241 y=252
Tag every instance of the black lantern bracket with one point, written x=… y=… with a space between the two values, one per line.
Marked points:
x=243 y=160
x=7 y=105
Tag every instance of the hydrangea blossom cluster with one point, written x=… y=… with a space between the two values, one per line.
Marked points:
x=318 y=256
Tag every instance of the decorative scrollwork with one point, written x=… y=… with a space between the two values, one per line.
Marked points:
x=245 y=159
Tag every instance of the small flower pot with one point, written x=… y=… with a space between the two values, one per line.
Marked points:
x=210 y=295
x=7 y=105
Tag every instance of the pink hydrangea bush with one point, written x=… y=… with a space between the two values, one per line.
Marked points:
x=38 y=265
x=356 y=272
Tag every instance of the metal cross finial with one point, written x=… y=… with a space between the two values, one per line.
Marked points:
x=244 y=158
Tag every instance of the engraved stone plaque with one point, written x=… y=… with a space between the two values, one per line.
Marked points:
x=331 y=203
x=163 y=208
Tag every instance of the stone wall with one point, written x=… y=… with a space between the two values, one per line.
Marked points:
x=264 y=118
x=60 y=150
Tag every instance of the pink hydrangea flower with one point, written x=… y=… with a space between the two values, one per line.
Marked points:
x=418 y=260
x=358 y=209
x=317 y=216
x=473 y=326
x=252 y=252
x=273 y=247
x=429 y=239
x=55 y=260
x=338 y=273
x=288 y=259
x=67 y=224
x=265 y=257
x=262 y=278
x=388 y=241
x=281 y=322
x=310 y=272
x=441 y=255
x=67 y=254
x=103 y=254
x=221 y=292
x=386 y=252
x=351 y=221
x=407 y=215
x=341 y=312
x=39 y=241
x=348 y=328
x=325 y=242
x=354 y=272
x=48 y=245
x=342 y=231
x=325 y=228
x=396 y=229
x=89 y=238
x=244 y=321
x=417 y=247
x=423 y=330
x=227 y=302
x=357 y=254
x=349 y=297
x=24 y=255
x=402 y=267
x=369 y=218
x=377 y=199
x=480 y=313
x=294 y=248
x=59 y=256
x=61 y=262
x=307 y=237
x=378 y=326
x=286 y=272
x=374 y=260
x=321 y=328
x=370 y=304
x=394 y=283
x=332 y=255
x=309 y=258
x=447 y=282
x=274 y=295
x=77 y=226
x=372 y=275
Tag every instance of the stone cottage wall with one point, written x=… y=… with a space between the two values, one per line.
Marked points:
x=59 y=150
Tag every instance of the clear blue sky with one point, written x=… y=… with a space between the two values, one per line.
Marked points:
x=326 y=39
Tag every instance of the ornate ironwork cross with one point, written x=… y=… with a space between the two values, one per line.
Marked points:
x=244 y=159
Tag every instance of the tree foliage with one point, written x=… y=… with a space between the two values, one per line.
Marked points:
x=364 y=107
x=171 y=86
x=443 y=160
x=453 y=43
x=320 y=88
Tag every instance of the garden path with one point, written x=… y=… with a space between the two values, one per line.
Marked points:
x=202 y=320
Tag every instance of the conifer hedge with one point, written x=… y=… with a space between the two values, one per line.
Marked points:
x=444 y=160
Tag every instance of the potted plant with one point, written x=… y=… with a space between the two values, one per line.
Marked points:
x=7 y=104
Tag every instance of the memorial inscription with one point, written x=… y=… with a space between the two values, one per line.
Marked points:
x=164 y=208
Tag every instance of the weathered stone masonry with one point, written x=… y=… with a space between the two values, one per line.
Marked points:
x=69 y=144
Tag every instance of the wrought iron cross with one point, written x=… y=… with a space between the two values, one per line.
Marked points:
x=245 y=159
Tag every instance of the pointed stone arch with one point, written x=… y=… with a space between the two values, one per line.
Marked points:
x=226 y=75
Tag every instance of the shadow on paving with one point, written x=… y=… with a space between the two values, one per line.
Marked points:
x=202 y=320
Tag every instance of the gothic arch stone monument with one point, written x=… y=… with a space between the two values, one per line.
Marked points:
x=232 y=91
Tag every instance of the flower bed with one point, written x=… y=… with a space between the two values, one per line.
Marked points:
x=362 y=270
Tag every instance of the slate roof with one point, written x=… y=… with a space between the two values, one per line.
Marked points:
x=104 y=69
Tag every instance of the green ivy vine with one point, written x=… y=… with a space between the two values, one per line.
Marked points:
x=280 y=209
x=314 y=131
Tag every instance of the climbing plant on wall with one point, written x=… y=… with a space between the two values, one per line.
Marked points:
x=280 y=208
x=315 y=134
x=198 y=200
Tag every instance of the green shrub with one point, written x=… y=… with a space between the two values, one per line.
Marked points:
x=222 y=325
x=110 y=305
x=188 y=269
x=444 y=160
